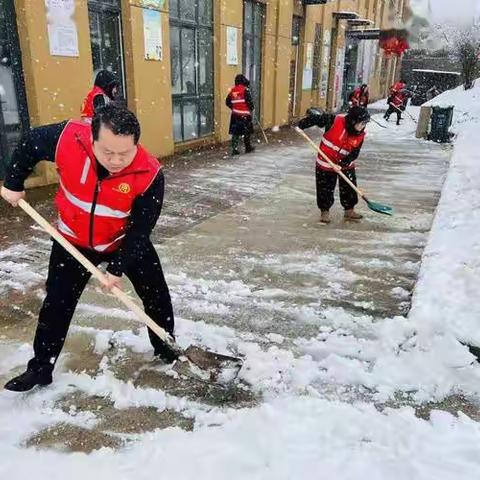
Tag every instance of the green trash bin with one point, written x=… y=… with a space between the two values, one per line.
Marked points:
x=441 y=121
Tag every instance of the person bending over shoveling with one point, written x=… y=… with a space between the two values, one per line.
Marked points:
x=341 y=143
x=109 y=199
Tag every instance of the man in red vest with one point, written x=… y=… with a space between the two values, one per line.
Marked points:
x=341 y=143
x=240 y=102
x=109 y=200
x=396 y=100
x=105 y=90
x=360 y=96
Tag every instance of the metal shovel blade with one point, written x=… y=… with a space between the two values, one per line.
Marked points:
x=218 y=367
x=379 y=208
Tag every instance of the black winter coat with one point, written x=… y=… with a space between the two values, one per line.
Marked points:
x=241 y=125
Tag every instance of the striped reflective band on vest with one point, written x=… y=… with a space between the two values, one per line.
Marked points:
x=329 y=144
x=327 y=165
x=100 y=210
x=101 y=248
x=63 y=228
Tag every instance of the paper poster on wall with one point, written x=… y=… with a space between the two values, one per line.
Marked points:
x=308 y=69
x=232 y=46
x=309 y=57
x=325 y=64
x=152 y=34
x=157 y=4
x=61 y=28
x=339 y=71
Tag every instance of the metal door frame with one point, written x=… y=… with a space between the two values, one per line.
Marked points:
x=254 y=36
x=18 y=78
x=97 y=6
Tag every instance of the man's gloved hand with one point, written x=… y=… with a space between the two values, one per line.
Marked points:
x=314 y=112
x=345 y=162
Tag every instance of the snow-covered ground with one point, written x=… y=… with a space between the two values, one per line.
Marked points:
x=446 y=299
x=329 y=369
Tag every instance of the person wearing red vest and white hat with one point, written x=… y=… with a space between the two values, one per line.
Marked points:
x=239 y=101
x=108 y=201
x=341 y=143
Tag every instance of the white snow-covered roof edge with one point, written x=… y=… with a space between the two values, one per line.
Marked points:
x=426 y=70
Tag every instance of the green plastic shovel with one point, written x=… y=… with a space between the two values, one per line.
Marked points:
x=375 y=206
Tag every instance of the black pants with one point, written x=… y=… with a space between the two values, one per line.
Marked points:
x=246 y=140
x=66 y=281
x=326 y=182
x=391 y=110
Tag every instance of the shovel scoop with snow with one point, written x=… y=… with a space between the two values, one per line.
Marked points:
x=209 y=365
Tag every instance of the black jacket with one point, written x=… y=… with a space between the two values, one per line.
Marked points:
x=325 y=120
x=40 y=144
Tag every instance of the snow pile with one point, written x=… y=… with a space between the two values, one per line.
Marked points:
x=288 y=438
x=466 y=105
x=446 y=298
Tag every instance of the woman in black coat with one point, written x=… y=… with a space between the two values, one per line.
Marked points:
x=239 y=100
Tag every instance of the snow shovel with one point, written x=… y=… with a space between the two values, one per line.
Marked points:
x=216 y=365
x=378 y=123
x=375 y=206
x=401 y=111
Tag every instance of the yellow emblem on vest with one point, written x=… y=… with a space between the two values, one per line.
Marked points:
x=123 y=188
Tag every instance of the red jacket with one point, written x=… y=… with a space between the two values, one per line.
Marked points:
x=87 y=110
x=397 y=87
x=239 y=103
x=397 y=98
x=359 y=97
x=92 y=213
x=337 y=144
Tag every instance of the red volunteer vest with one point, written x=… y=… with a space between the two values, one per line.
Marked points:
x=239 y=104
x=336 y=144
x=398 y=99
x=359 y=98
x=87 y=110
x=91 y=213
x=396 y=87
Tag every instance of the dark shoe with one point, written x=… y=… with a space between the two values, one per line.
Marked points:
x=249 y=149
x=235 y=152
x=475 y=351
x=29 y=379
x=165 y=353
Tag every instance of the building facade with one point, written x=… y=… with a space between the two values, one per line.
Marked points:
x=177 y=59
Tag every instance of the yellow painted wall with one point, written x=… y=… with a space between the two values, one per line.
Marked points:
x=56 y=86
x=148 y=82
x=227 y=13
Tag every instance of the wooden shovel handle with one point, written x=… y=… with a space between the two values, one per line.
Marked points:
x=335 y=167
x=100 y=276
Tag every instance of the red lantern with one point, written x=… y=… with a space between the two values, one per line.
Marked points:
x=393 y=42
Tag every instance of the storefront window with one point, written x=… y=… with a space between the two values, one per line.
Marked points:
x=191 y=52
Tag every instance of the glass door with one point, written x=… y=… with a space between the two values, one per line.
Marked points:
x=13 y=102
x=253 y=24
x=106 y=38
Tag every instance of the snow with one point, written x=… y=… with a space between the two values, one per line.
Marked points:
x=446 y=299
x=300 y=426
x=435 y=71
x=287 y=438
